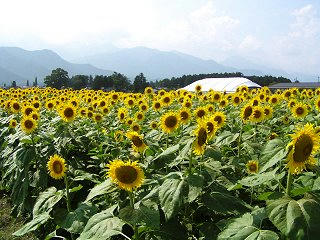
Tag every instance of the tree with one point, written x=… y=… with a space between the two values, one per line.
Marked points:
x=35 y=83
x=14 y=84
x=140 y=83
x=59 y=78
x=120 y=82
x=79 y=81
x=27 y=83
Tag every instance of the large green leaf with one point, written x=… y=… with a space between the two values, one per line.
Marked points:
x=102 y=226
x=258 y=179
x=76 y=220
x=278 y=157
x=296 y=219
x=244 y=228
x=195 y=183
x=171 y=194
x=46 y=201
x=33 y=225
x=100 y=189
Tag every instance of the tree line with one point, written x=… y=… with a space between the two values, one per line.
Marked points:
x=59 y=78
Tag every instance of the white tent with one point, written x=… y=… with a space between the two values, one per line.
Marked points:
x=221 y=84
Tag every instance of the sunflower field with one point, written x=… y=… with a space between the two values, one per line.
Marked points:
x=166 y=165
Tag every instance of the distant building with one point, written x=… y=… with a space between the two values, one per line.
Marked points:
x=302 y=85
x=222 y=84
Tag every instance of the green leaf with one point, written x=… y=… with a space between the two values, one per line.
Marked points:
x=281 y=154
x=296 y=219
x=258 y=179
x=76 y=220
x=171 y=194
x=244 y=228
x=170 y=150
x=183 y=153
x=130 y=215
x=102 y=226
x=195 y=186
x=77 y=188
x=33 y=225
x=100 y=189
x=150 y=214
x=46 y=201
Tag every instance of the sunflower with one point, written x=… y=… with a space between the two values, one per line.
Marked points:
x=50 y=105
x=137 y=141
x=219 y=118
x=15 y=107
x=223 y=103
x=216 y=97
x=122 y=113
x=200 y=112
x=236 y=99
x=252 y=166
x=169 y=122
x=273 y=136
x=211 y=127
x=267 y=110
x=148 y=90
x=187 y=103
x=201 y=134
x=97 y=117
x=57 y=167
x=127 y=175
x=27 y=110
x=166 y=100
x=185 y=115
x=105 y=110
x=35 y=116
x=130 y=102
x=246 y=112
x=118 y=136
x=129 y=121
x=154 y=125
x=292 y=103
x=13 y=123
x=139 y=116
x=300 y=110
x=210 y=108
x=68 y=112
x=144 y=107
x=305 y=143
x=198 y=88
x=28 y=124
x=317 y=103
x=156 y=105
x=257 y=114
x=135 y=127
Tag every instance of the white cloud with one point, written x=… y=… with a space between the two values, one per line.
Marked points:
x=250 y=43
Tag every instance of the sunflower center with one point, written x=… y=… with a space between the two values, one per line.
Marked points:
x=50 y=105
x=273 y=100
x=137 y=141
x=157 y=105
x=210 y=127
x=130 y=102
x=236 y=99
x=202 y=136
x=218 y=119
x=201 y=113
x=68 y=112
x=36 y=105
x=303 y=148
x=57 y=167
x=299 y=110
x=257 y=114
x=252 y=167
x=166 y=99
x=16 y=106
x=216 y=96
x=121 y=115
x=171 y=121
x=28 y=111
x=126 y=174
x=98 y=118
x=135 y=128
x=184 y=115
x=28 y=124
x=247 y=112
x=266 y=111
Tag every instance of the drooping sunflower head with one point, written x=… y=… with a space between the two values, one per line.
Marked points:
x=118 y=136
x=201 y=134
x=13 y=123
x=219 y=118
x=212 y=127
x=299 y=110
x=57 y=166
x=127 y=175
x=252 y=166
x=305 y=143
x=28 y=124
x=122 y=113
x=138 y=144
x=170 y=122
x=68 y=112
x=267 y=110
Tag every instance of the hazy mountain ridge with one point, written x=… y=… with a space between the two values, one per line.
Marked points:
x=17 y=64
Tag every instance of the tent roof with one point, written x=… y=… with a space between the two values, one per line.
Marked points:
x=221 y=84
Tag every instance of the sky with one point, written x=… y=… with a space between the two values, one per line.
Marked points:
x=282 y=34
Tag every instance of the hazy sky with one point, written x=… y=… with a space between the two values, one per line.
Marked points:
x=281 y=33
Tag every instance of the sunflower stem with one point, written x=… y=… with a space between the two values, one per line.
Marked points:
x=190 y=162
x=289 y=183
x=167 y=140
x=68 y=197
x=239 y=140
x=135 y=227
x=35 y=150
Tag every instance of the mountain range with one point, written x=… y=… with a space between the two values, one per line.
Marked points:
x=17 y=64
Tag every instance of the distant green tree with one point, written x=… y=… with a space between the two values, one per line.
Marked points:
x=59 y=78
x=35 y=83
x=120 y=82
x=14 y=84
x=79 y=81
x=140 y=83
x=27 y=83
